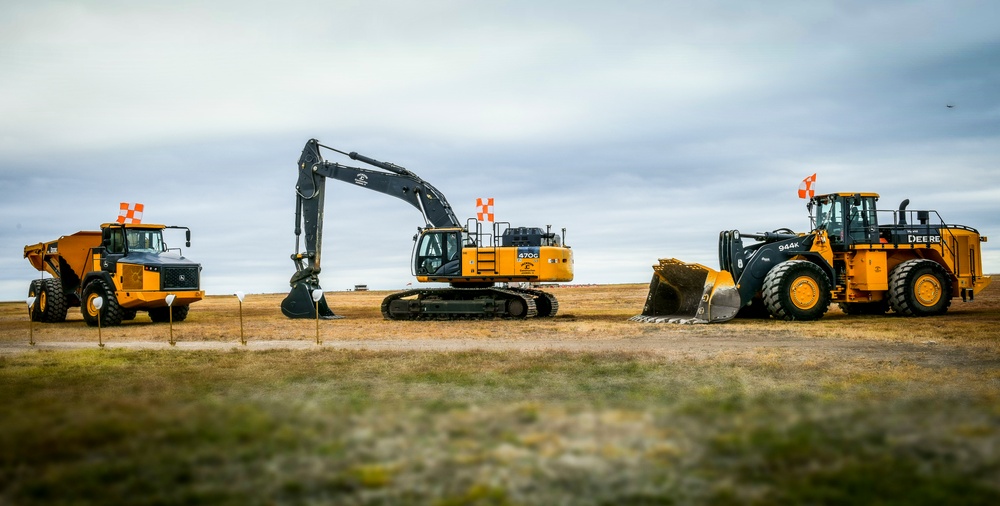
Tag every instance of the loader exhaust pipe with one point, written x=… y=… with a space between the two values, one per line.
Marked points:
x=689 y=293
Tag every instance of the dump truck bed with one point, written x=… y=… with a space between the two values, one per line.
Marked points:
x=69 y=251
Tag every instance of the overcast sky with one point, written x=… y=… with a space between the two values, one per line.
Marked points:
x=643 y=127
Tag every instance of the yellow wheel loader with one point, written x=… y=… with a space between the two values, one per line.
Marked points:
x=867 y=261
x=127 y=265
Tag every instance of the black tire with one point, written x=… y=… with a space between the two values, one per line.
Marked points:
x=796 y=290
x=181 y=313
x=919 y=288
x=864 y=308
x=111 y=313
x=54 y=305
x=50 y=301
x=128 y=314
x=34 y=289
x=754 y=310
x=162 y=314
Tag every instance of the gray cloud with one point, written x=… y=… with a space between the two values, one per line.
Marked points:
x=642 y=127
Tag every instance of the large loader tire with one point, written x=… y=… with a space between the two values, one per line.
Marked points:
x=796 y=290
x=919 y=288
x=111 y=313
x=50 y=302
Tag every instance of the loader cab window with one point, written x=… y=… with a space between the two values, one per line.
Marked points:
x=438 y=253
x=830 y=216
x=862 y=226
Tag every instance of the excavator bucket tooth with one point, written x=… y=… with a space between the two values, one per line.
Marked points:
x=689 y=293
x=299 y=303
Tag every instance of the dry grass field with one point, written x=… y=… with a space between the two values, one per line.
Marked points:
x=583 y=408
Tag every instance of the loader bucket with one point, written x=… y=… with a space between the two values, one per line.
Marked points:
x=299 y=303
x=689 y=293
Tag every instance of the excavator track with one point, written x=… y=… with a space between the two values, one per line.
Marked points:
x=467 y=304
x=546 y=303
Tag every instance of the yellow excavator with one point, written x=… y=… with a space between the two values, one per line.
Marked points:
x=472 y=259
x=867 y=261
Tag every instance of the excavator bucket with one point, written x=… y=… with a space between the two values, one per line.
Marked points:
x=689 y=293
x=299 y=303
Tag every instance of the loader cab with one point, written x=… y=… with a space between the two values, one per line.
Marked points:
x=438 y=252
x=848 y=218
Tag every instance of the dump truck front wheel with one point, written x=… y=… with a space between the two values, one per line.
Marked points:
x=796 y=290
x=919 y=288
x=110 y=312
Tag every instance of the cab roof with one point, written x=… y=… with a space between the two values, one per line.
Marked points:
x=134 y=225
x=847 y=194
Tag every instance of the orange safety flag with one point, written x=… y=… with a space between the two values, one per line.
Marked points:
x=806 y=190
x=130 y=213
x=485 y=209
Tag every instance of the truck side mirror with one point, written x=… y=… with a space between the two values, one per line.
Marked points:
x=187 y=237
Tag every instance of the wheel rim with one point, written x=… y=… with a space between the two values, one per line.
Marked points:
x=91 y=310
x=804 y=292
x=927 y=290
x=42 y=301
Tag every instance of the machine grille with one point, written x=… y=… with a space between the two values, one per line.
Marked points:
x=180 y=278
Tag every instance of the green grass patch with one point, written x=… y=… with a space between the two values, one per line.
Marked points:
x=359 y=427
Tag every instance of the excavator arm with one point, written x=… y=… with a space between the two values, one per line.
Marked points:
x=310 y=192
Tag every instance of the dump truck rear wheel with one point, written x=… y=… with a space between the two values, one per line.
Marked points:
x=796 y=290
x=34 y=290
x=50 y=302
x=54 y=305
x=919 y=288
x=110 y=312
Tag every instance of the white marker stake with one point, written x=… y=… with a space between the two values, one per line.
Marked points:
x=31 y=327
x=317 y=294
x=98 y=303
x=240 y=296
x=170 y=312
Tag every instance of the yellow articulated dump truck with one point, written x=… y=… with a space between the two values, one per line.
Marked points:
x=865 y=260
x=127 y=265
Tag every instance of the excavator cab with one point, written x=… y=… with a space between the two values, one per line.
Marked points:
x=438 y=252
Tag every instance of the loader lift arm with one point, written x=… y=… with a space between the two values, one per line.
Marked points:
x=310 y=192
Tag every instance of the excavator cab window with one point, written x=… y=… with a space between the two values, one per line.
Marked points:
x=439 y=253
